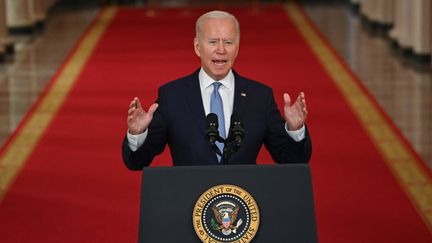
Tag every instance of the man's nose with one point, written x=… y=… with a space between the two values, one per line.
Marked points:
x=221 y=47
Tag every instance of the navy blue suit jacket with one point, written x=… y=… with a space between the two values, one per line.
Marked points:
x=180 y=122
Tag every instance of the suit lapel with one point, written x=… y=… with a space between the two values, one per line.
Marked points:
x=194 y=100
x=240 y=94
x=195 y=103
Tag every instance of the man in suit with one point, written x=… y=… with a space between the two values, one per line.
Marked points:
x=178 y=118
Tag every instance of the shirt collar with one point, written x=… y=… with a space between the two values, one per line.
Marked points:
x=206 y=81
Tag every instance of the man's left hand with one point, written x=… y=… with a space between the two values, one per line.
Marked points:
x=295 y=114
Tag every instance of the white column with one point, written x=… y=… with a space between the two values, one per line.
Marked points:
x=421 y=31
x=379 y=11
x=372 y=10
x=6 y=42
x=385 y=11
x=406 y=40
x=395 y=32
x=18 y=14
x=402 y=30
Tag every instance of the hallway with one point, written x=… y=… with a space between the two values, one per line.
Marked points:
x=64 y=92
x=402 y=88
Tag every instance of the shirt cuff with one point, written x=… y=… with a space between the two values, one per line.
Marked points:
x=135 y=141
x=297 y=135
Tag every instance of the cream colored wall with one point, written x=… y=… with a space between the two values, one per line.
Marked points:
x=411 y=20
x=380 y=11
x=421 y=26
x=19 y=13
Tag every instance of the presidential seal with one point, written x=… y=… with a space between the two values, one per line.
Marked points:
x=226 y=213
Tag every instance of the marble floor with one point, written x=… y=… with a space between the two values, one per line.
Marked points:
x=404 y=90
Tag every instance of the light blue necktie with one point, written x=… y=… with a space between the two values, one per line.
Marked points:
x=216 y=106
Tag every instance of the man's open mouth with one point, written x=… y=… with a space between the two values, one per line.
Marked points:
x=219 y=61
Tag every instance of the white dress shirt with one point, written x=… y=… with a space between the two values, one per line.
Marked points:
x=226 y=91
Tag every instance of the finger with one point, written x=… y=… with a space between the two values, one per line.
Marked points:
x=299 y=102
x=138 y=103
x=302 y=95
x=132 y=104
x=301 y=99
x=287 y=99
x=130 y=119
x=131 y=110
x=152 y=109
x=302 y=103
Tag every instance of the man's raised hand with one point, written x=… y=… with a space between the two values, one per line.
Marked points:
x=295 y=114
x=138 y=120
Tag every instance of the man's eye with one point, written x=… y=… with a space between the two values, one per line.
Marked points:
x=228 y=42
x=212 y=42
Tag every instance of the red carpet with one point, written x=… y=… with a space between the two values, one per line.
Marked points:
x=74 y=187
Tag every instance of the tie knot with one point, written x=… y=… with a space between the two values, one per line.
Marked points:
x=216 y=85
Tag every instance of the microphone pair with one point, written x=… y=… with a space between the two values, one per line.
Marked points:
x=234 y=139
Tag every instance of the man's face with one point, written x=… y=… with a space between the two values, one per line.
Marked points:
x=217 y=46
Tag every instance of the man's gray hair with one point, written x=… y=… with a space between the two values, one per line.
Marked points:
x=216 y=14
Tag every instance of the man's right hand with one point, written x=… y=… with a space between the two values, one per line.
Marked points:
x=138 y=120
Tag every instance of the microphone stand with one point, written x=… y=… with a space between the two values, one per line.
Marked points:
x=216 y=149
x=229 y=149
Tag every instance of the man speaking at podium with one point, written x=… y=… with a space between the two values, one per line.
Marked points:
x=178 y=118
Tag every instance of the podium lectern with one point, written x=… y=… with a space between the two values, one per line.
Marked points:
x=283 y=194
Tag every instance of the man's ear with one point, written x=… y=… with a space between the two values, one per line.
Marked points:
x=197 y=47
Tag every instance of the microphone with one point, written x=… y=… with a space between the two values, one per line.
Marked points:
x=235 y=137
x=237 y=132
x=212 y=133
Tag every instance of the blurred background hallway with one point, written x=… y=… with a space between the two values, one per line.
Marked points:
x=401 y=82
x=385 y=44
